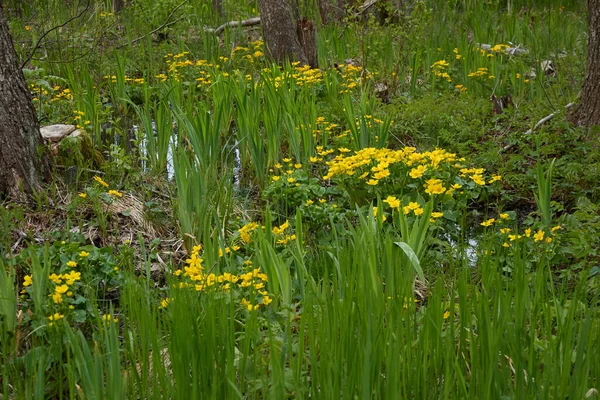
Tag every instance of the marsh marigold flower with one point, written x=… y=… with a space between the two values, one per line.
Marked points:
x=488 y=222
x=392 y=202
x=539 y=236
x=100 y=181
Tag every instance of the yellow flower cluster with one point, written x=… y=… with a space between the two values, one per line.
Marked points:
x=253 y=280
x=373 y=165
x=539 y=236
x=79 y=119
x=500 y=48
x=352 y=77
x=111 y=192
x=109 y=318
x=246 y=230
x=438 y=67
x=55 y=317
x=61 y=288
x=280 y=230
x=480 y=73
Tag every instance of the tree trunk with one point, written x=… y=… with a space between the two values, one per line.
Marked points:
x=23 y=160
x=331 y=11
x=305 y=30
x=217 y=6
x=279 y=31
x=587 y=112
x=118 y=5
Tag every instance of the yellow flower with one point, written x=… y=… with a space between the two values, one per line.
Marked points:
x=100 y=181
x=437 y=215
x=84 y=254
x=281 y=229
x=71 y=264
x=115 y=193
x=82 y=195
x=446 y=314
x=375 y=211
x=309 y=202
x=55 y=317
x=382 y=174
x=372 y=182
x=71 y=277
x=418 y=211
x=313 y=159
x=57 y=298
x=505 y=244
x=505 y=230
x=413 y=205
x=297 y=166
x=434 y=186
x=164 y=303
x=291 y=180
x=539 y=236
x=488 y=222
x=418 y=171
x=109 y=318
x=56 y=278
x=555 y=228
x=548 y=240
x=504 y=216
x=478 y=179
x=495 y=178
x=392 y=202
x=266 y=300
x=61 y=289
x=27 y=280
x=528 y=232
x=275 y=178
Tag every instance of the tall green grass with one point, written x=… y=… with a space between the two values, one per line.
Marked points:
x=359 y=332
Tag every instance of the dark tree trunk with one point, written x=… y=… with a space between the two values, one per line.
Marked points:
x=118 y=5
x=305 y=30
x=22 y=157
x=587 y=112
x=331 y=11
x=279 y=31
x=217 y=6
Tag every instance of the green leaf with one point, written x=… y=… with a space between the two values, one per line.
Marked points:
x=412 y=257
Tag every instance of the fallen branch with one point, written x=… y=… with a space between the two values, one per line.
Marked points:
x=233 y=24
x=539 y=123
x=546 y=119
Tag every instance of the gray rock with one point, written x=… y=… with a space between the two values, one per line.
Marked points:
x=55 y=133
x=76 y=133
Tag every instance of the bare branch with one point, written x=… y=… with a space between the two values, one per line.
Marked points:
x=233 y=24
x=539 y=123
x=39 y=42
